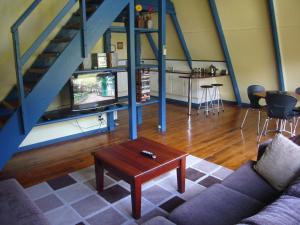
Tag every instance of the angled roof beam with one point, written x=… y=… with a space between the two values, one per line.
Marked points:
x=276 y=45
x=222 y=39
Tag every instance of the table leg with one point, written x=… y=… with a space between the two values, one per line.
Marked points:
x=181 y=176
x=99 y=172
x=136 y=189
x=190 y=97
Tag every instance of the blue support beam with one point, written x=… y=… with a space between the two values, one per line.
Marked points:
x=153 y=45
x=110 y=121
x=276 y=45
x=162 y=65
x=107 y=41
x=138 y=50
x=139 y=115
x=83 y=27
x=222 y=39
x=131 y=71
x=20 y=83
x=181 y=39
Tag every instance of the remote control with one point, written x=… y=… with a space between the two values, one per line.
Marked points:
x=148 y=154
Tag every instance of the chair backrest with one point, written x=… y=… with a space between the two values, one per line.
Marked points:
x=254 y=100
x=297 y=90
x=280 y=105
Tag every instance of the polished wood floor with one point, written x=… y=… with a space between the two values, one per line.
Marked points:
x=217 y=139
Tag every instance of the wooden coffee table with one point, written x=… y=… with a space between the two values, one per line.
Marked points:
x=125 y=161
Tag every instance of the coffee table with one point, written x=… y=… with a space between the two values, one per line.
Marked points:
x=125 y=161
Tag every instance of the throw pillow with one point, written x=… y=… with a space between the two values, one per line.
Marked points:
x=280 y=162
x=284 y=211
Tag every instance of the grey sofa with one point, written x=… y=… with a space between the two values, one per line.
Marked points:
x=15 y=206
x=241 y=195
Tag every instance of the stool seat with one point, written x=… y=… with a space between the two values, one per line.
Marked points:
x=217 y=85
x=206 y=86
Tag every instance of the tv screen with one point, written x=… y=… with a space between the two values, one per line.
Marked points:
x=93 y=90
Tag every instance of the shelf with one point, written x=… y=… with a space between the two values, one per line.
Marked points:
x=67 y=114
x=120 y=29
x=147 y=66
x=146 y=30
x=99 y=70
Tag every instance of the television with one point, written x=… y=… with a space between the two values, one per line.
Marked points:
x=92 y=91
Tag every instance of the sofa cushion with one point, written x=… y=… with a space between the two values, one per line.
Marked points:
x=280 y=162
x=294 y=188
x=284 y=211
x=15 y=206
x=216 y=205
x=247 y=181
x=159 y=220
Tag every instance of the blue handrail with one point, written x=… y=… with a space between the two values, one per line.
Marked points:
x=25 y=15
x=20 y=60
x=47 y=31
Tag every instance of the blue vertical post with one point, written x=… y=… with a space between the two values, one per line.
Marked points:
x=162 y=64
x=181 y=39
x=139 y=115
x=222 y=39
x=83 y=27
x=107 y=41
x=276 y=45
x=138 y=52
x=110 y=121
x=131 y=71
x=20 y=83
x=152 y=45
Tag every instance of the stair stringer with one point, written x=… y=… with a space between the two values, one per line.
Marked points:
x=55 y=78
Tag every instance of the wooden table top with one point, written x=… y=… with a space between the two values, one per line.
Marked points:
x=126 y=157
x=263 y=94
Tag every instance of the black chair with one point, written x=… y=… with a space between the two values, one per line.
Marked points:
x=297 y=113
x=254 y=103
x=280 y=106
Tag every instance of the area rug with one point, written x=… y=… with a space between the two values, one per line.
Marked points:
x=73 y=200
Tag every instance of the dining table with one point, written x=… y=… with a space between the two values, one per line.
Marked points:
x=291 y=93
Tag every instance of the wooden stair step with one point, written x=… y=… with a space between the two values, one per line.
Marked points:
x=73 y=26
x=28 y=86
x=10 y=104
x=3 y=120
x=49 y=54
x=89 y=9
x=61 y=40
x=38 y=70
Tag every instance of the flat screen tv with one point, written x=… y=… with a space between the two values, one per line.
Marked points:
x=91 y=91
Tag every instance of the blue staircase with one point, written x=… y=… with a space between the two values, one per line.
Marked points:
x=52 y=69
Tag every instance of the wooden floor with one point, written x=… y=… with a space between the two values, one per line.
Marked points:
x=217 y=139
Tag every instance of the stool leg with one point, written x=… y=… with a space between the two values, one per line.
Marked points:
x=215 y=98
x=201 y=101
x=258 y=122
x=206 y=103
x=220 y=97
x=211 y=102
x=245 y=117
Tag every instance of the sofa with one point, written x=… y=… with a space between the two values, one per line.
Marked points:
x=16 y=208
x=241 y=195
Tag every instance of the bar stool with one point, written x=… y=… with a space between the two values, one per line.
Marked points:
x=217 y=97
x=206 y=100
